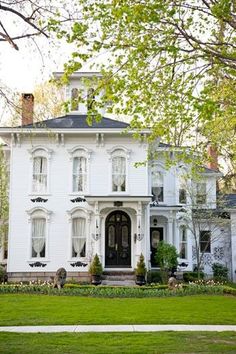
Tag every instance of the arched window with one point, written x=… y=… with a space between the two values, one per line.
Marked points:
x=90 y=98
x=38 y=237
x=118 y=173
x=157 y=181
x=79 y=174
x=39 y=174
x=74 y=99
x=38 y=219
x=78 y=237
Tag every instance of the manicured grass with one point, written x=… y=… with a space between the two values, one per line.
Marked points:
x=120 y=343
x=22 y=309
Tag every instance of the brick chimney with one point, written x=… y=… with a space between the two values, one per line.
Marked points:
x=27 y=108
x=213 y=157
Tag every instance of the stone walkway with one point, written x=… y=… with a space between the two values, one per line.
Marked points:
x=117 y=328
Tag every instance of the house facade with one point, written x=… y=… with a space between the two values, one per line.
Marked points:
x=75 y=191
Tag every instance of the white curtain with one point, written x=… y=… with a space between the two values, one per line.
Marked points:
x=40 y=174
x=79 y=236
x=79 y=174
x=119 y=172
x=38 y=235
x=157 y=179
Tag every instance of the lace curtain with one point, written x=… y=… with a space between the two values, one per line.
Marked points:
x=118 y=173
x=38 y=236
x=79 y=174
x=78 y=237
x=40 y=174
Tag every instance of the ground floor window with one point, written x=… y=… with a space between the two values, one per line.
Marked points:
x=78 y=237
x=38 y=237
x=183 y=242
x=205 y=241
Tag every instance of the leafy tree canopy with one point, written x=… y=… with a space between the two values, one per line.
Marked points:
x=173 y=62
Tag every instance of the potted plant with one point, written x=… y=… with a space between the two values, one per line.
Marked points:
x=141 y=271
x=96 y=270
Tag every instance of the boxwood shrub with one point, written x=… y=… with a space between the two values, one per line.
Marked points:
x=192 y=276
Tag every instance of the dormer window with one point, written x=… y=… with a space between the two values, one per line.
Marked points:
x=90 y=98
x=74 y=99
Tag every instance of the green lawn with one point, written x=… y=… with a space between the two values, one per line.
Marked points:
x=21 y=309
x=120 y=343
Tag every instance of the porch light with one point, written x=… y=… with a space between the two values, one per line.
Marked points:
x=155 y=222
x=97 y=235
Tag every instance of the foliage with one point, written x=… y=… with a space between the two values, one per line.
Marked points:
x=220 y=272
x=183 y=55
x=141 y=267
x=166 y=256
x=95 y=267
x=154 y=277
x=192 y=276
x=229 y=290
x=2 y=274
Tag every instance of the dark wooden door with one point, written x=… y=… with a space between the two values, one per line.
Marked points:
x=156 y=235
x=118 y=240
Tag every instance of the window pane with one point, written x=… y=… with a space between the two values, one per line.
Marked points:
x=158 y=193
x=74 y=99
x=38 y=237
x=118 y=174
x=125 y=237
x=111 y=236
x=205 y=241
x=157 y=185
x=182 y=196
x=183 y=242
x=201 y=193
x=78 y=237
x=40 y=174
x=79 y=174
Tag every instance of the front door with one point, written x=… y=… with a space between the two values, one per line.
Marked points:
x=156 y=235
x=118 y=240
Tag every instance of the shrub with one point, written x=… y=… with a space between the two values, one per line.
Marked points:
x=220 y=272
x=229 y=290
x=95 y=266
x=192 y=276
x=3 y=274
x=141 y=267
x=154 y=277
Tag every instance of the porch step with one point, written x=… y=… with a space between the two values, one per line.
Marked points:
x=117 y=278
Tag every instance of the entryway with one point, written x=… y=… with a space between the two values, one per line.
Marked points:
x=118 y=240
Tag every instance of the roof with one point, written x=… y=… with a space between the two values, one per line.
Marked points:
x=209 y=170
x=77 y=121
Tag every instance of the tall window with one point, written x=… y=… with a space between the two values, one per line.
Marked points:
x=183 y=242
x=201 y=193
x=74 y=99
x=118 y=174
x=40 y=174
x=38 y=237
x=90 y=98
x=182 y=191
x=205 y=241
x=157 y=185
x=79 y=174
x=78 y=237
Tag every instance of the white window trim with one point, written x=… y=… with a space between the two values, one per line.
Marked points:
x=78 y=212
x=34 y=213
x=79 y=151
x=180 y=240
x=159 y=168
x=126 y=154
x=35 y=152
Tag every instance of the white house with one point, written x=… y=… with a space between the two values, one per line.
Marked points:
x=75 y=191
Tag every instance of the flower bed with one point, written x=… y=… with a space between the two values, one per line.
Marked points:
x=120 y=292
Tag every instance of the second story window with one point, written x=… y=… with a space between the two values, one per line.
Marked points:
x=90 y=98
x=79 y=174
x=39 y=174
x=201 y=193
x=157 y=185
x=182 y=191
x=118 y=174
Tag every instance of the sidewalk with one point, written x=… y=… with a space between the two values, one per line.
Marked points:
x=117 y=328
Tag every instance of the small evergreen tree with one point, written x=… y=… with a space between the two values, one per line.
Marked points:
x=167 y=259
x=141 y=267
x=96 y=266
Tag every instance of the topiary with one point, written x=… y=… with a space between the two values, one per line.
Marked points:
x=141 y=267
x=95 y=267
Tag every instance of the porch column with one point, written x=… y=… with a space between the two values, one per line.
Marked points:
x=97 y=232
x=139 y=232
x=176 y=235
